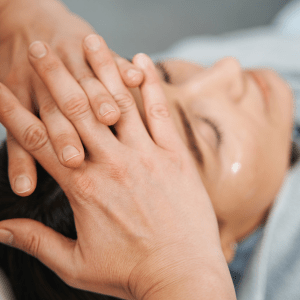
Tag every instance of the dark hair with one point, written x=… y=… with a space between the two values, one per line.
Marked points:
x=30 y=279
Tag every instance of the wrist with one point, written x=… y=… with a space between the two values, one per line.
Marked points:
x=181 y=277
x=203 y=284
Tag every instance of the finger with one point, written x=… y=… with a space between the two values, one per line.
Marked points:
x=30 y=133
x=104 y=106
x=129 y=128
x=71 y=99
x=50 y=247
x=21 y=165
x=160 y=123
x=21 y=168
x=131 y=74
x=63 y=136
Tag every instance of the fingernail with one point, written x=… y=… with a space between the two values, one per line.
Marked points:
x=37 y=49
x=22 y=184
x=6 y=237
x=132 y=73
x=92 y=42
x=69 y=152
x=106 y=108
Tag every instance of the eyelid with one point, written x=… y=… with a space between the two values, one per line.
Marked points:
x=166 y=75
x=192 y=142
x=167 y=78
x=215 y=127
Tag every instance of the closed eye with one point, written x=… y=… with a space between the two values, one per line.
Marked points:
x=190 y=135
x=164 y=72
x=215 y=128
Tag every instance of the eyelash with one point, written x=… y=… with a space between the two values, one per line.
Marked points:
x=166 y=74
x=217 y=129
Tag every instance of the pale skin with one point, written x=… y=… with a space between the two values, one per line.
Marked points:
x=244 y=175
x=65 y=39
x=137 y=238
x=23 y=22
x=239 y=97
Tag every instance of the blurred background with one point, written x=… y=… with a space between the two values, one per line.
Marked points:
x=132 y=26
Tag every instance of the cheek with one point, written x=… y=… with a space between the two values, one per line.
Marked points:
x=243 y=190
x=250 y=185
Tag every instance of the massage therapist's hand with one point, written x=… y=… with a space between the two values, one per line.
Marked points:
x=145 y=226
x=23 y=22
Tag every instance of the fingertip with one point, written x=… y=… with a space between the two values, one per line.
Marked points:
x=72 y=157
x=141 y=60
x=21 y=171
x=73 y=163
x=22 y=184
x=111 y=118
x=37 y=50
x=108 y=114
x=134 y=78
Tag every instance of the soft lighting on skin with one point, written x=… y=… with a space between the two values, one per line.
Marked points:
x=235 y=167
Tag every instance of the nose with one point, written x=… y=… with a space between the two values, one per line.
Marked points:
x=224 y=76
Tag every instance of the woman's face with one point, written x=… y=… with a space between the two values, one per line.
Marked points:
x=237 y=124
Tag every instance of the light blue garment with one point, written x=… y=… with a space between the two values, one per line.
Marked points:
x=242 y=257
x=274 y=270
x=288 y=19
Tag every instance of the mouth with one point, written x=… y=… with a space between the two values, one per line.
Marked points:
x=263 y=86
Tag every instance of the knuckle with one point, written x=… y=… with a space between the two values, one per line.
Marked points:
x=118 y=171
x=47 y=106
x=76 y=107
x=101 y=99
x=83 y=186
x=124 y=101
x=105 y=60
x=49 y=67
x=61 y=138
x=84 y=76
x=35 y=137
x=32 y=245
x=10 y=138
x=7 y=109
x=159 y=111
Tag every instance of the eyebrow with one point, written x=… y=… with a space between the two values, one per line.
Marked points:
x=192 y=142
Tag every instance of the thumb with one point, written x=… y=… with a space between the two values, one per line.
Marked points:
x=50 y=247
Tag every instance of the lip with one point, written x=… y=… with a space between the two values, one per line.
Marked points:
x=263 y=86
